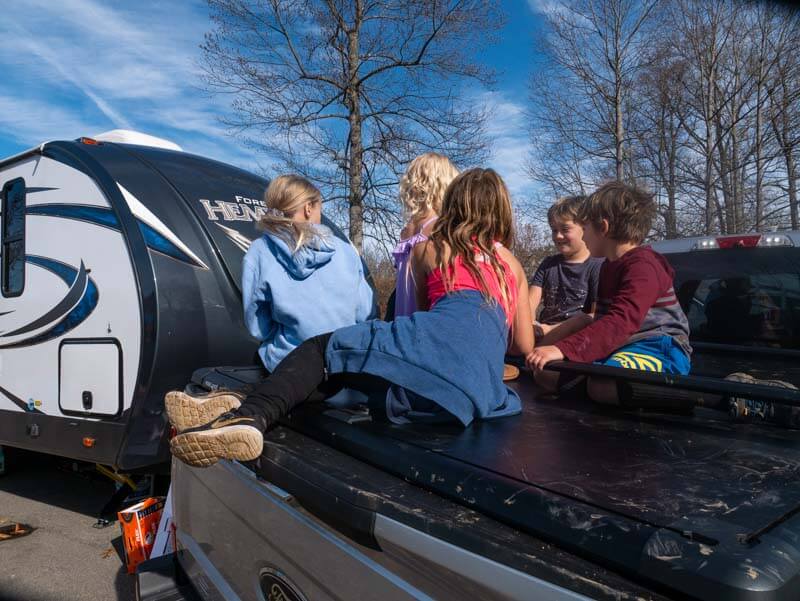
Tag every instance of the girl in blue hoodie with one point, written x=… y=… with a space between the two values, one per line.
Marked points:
x=299 y=280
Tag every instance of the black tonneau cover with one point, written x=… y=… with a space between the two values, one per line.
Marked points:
x=696 y=504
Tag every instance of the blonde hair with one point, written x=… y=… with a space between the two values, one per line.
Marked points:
x=285 y=194
x=476 y=213
x=423 y=185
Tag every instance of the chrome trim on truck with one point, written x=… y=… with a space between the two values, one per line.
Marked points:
x=501 y=579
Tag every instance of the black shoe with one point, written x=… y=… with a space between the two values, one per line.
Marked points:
x=743 y=409
x=229 y=436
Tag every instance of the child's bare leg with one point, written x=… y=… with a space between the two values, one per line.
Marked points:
x=566 y=328
x=603 y=390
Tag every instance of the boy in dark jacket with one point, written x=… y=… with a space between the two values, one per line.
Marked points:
x=639 y=323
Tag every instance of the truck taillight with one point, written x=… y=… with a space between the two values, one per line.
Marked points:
x=775 y=240
x=742 y=241
x=749 y=241
x=705 y=244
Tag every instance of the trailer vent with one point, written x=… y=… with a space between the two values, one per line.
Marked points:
x=126 y=136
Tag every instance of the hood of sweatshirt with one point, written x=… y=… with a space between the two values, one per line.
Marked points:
x=308 y=258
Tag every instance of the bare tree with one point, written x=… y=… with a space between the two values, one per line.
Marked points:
x=582 y=105
x=784 y=102
x=348 y=91
x=660 y=138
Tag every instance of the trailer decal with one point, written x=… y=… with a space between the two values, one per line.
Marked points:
x=89 y=214
x=158 y=236
x=240 y=240
x=72 y=297
x=77 y=315
x=18 y=401
x=105 y=217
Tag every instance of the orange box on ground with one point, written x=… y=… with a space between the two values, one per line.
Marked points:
x=139 y=525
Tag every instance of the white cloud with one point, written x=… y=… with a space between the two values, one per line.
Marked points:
x=31 y=122
x=510 y=142
x=545 y=7
x=79 y=67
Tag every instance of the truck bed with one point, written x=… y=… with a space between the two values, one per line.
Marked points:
x=686 y=505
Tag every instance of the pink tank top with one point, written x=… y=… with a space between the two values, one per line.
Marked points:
x=405 y=299
x=464 y=280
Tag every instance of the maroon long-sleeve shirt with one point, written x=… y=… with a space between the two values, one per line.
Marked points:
x=635 y=300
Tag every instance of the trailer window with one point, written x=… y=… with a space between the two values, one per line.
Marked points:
x=13 y=248
x=741 y=296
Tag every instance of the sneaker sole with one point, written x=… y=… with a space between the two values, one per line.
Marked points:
x=205 y=448
x=510 y=372
x=185 y=412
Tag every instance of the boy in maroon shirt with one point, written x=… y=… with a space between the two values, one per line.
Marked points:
x=638 y=323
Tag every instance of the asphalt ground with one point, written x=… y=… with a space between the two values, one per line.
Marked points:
x=64 y=558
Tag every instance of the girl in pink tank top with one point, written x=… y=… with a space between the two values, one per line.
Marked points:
x=466 y=253
x=421 y=191
x=463 y=279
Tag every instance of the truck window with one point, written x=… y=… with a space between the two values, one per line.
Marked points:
x=747 y=296
x=13 y=247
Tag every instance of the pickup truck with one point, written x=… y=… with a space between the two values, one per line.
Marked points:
x=566 y=501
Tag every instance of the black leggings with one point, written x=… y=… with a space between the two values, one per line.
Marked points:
x=300 y=377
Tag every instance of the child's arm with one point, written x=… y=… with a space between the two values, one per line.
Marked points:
x=366 y=306
x=637 y=292
x=256 y=298
x=521 y=342
x=420 y=267
x=535 y=296
x=566 y=328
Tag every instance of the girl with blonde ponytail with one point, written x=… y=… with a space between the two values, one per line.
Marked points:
x=299 y=279
x=294 y=208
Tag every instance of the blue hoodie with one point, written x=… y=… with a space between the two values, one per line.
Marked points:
x=290 y=297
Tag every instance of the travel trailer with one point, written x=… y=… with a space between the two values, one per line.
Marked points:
x=121 y=266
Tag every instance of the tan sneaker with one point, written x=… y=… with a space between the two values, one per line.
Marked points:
x=229 y=436
x=510 y=372
x=185 y=411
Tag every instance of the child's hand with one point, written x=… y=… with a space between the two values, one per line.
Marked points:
x=541 y=356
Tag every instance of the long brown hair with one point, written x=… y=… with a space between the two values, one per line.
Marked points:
x=476 y=213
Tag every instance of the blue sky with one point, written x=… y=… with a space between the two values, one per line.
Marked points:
x=80 y=67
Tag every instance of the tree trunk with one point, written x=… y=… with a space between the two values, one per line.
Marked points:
x=672 y=216
x=759 y=164
x=356 y=158
x=619 y=128
x=792 y=177
x=737 y=190
x=619 y=133
x=709 y=107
